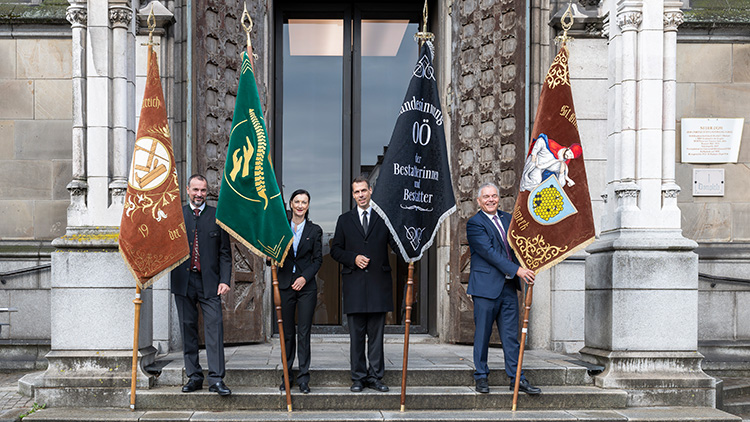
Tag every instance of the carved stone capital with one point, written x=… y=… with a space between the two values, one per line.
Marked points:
x=120 y=16
x=118 y=188
x=593 y=29
x=670 y=190
x=630 y=20
x=672 y=20
x=627 y=191
x=589 y=4
x=77 y=16
x=77 y=188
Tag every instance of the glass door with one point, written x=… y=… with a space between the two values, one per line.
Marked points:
x=342 y=70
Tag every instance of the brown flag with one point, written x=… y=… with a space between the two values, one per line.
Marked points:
x=552 y=218
x=153 y=239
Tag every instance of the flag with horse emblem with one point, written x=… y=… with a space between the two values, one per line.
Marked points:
x=552 y=217
x=250 y=206
x=414 y=193
x=152 y=237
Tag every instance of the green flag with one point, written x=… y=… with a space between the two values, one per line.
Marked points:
x=250 y=206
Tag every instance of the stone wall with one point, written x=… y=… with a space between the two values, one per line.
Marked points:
x=35 y=167
x=713 y=80
x=35 y=137
x=487 y=125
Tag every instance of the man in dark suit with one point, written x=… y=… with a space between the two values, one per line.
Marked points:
x=360 y=245
x=493 y=280
x=202 y=279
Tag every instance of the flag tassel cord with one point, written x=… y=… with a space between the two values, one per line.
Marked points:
x=407 y=323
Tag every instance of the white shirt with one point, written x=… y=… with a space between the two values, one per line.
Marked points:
x=193 y=207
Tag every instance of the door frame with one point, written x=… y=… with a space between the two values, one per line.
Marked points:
x=352 y=13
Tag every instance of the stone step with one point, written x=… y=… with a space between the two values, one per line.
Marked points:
x=737 y=406
x=664 y=414
x=736 y=388
x=415 y=377
x=568 y=374
x=417 y=398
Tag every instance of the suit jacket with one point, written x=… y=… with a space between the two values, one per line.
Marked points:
x=489 y=263
x=308 y=259
x=214 y=249
x=371 y=289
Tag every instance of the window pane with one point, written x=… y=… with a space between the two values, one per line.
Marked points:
x=388 y=56
x=312 y=110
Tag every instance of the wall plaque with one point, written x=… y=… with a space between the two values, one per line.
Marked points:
x=708 y=182
x=711 y=140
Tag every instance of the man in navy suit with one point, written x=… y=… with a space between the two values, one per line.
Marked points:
x=493 y=280
x=360 y=245
x=202 y=279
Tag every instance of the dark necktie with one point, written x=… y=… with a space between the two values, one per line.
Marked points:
x=364 y=221
x=196 y=262
x=502 y=234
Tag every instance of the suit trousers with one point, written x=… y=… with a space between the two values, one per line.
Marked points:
x=502 y=311
x=213 y=330
x=302 y=303
x=370 y=325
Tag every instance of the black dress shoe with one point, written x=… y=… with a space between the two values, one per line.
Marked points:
x=220 y=388
x=357 y=386
x=303 y=387
x=192 y=385
x=282 y=387
x=482 y=386
x=526 y=387
x=378 y=385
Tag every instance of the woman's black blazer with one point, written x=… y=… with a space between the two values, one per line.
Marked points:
x=308 y=259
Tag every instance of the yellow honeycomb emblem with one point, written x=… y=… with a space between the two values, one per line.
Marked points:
x=548 y=203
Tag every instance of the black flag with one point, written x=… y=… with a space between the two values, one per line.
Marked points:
x=413 y=192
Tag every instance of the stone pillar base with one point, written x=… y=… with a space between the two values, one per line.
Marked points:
x=90 y=379
x=654 y=378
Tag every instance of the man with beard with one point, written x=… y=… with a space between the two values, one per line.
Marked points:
x=202 y=279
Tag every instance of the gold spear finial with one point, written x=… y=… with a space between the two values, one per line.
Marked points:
x=151 y=26
x=567 y=22
x=423 y=35
x=248 y=27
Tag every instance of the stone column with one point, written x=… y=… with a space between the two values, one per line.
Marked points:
x=77 y=15
x=120 y=15
x=642 y=275
x=92 y=291
x=670 y=190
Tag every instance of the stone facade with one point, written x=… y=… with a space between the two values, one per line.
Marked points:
x=487 y=132
x=35 y=167
x=482 y=78
x=35 y=137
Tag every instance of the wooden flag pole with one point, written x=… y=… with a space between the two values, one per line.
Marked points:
x=280 y=319
x=247 y=25
x=137 y=301
x=407 y=323
x=134 y=370
x=527 y=308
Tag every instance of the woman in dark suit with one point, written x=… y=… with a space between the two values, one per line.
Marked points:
x=297 y=285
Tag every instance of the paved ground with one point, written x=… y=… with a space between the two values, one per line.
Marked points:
x=9 y=396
